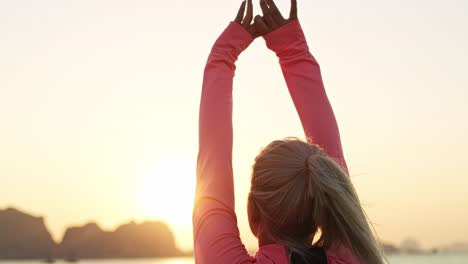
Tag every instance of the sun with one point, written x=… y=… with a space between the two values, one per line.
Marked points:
x=166 y=191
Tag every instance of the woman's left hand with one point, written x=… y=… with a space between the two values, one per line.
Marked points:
x=246 y=21
x=272 y=18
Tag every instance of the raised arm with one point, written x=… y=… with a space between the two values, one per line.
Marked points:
x=303 y=78
x=216 y=235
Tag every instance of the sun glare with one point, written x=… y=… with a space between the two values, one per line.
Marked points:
x=166 y=191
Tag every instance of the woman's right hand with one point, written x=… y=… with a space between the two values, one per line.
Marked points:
x=272 y=18
x=246 y=21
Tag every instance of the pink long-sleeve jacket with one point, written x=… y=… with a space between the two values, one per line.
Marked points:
x=216 y=234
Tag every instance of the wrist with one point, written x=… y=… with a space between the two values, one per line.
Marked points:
x=288 y=40
x=233 y=41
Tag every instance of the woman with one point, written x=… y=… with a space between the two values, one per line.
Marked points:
x=299 y=190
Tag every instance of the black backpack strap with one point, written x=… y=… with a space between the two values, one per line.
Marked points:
x=317 y=255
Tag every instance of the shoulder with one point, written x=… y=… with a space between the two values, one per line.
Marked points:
x=274 y=253
x=341 y=256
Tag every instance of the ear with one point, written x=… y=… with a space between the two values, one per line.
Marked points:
x=254 y=216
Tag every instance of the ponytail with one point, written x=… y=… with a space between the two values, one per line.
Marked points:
x=338 y=211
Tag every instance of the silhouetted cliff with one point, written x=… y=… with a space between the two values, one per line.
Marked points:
x=146 y=240
x=23 y=236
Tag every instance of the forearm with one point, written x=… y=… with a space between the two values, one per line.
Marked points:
x=303 y=77
x=214 y=173
x=214 y=167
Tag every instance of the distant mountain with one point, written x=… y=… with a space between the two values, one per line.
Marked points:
x=390 y=248
x=411 y=246
x=23 y=236
x=457 y=247
x=146 y=240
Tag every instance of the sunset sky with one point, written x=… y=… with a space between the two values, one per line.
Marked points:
x=99 y=108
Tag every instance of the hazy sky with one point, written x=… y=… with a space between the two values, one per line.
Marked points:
x=99 y=108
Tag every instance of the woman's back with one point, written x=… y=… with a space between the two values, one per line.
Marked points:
x=278 y=254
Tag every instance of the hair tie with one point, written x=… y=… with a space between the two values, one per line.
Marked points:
x=313 y=155
x=307 y=160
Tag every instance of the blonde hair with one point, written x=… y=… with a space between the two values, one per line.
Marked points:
x=298 y=191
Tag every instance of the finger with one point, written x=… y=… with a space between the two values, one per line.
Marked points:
x=249 y=16
x=253 y=31
x=267 y=18
x=264 y=7
x=275 y=12
x=262 y=27
x=293 y=14
x=240 y=14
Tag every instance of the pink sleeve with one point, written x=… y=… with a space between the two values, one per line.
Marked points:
x=216 y=235
x=302 y=74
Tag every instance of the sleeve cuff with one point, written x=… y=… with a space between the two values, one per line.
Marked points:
x=233 y=41
x=287 y=41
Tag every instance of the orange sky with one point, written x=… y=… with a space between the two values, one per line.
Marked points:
x=99 y=105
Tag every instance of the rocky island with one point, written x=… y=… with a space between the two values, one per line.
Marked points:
x=23 y=236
